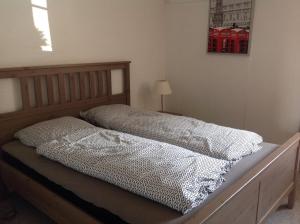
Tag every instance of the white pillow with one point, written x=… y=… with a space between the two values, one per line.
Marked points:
x=45 y=131
x=104 y=115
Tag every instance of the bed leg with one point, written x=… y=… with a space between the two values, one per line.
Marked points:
x=292 y=199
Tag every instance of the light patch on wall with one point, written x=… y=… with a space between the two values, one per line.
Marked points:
x=117 y=79
x=10 y=95
x=41 y=23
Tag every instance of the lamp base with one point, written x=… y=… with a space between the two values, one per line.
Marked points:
x=162 y=103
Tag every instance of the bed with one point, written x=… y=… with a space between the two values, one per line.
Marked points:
x=263 y=180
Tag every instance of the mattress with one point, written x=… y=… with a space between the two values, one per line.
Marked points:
x=115 y=204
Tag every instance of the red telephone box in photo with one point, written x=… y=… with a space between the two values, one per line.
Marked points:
x=213 y=45
x=228 y=40
x=224 y=40
x=217 y=39
x=229 y=26
x=243 y=36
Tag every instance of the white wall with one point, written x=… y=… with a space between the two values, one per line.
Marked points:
x=90 y=31
x=259 y=92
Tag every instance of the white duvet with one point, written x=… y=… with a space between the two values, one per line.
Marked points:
x=206 y=138
x=168 y=174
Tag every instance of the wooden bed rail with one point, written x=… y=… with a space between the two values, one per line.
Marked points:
x=265 y=185
x=51 y=204
x=250 y=200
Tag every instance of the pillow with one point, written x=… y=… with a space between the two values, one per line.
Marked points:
x=104 y=115
x=45 y=131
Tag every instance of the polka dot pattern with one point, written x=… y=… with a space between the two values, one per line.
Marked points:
x=168 y=174
x=46 y=131
x=209 y=139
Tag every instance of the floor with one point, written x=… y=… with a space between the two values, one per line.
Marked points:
x=26 y=214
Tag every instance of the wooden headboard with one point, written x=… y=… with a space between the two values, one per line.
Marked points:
x=61 y=90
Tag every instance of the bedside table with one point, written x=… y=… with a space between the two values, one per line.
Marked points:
x=167 y=112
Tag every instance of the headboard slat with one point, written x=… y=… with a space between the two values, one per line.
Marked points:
x=92 y=84
x=127 y=83
x=50 y=94
x=82 y=86
x=38 y=91
x=61 y=90
x=101 y=90
x=61 y=86
x=72 y=87
x=108 y=82
x=25 y=93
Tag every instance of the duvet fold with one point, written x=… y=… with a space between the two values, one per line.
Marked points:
x=196 y=135
x=173 y=176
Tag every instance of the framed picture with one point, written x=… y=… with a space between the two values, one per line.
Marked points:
x=230 y=26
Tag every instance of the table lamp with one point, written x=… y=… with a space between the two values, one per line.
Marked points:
x=163 y=88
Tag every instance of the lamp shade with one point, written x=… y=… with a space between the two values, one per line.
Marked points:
x=163 y=87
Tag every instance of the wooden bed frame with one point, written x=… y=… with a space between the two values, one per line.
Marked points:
x=72 y=88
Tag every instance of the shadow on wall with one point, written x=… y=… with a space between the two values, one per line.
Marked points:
x=33 y=26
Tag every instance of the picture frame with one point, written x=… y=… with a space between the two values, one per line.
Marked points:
x=230 y=26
